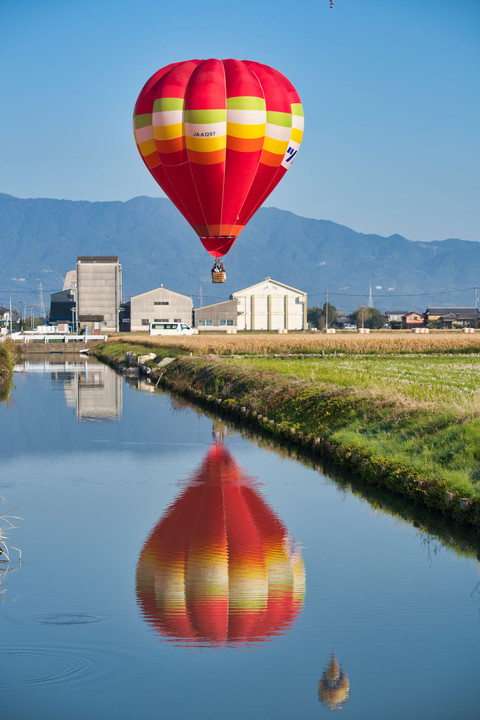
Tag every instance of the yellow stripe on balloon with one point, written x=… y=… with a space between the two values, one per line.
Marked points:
x=204 y=145
x=245 y=131
x=147 y=148
x=167 y=132
x=278 y=147
x=297 y=135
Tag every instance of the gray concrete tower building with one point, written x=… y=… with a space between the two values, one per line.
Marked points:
x=99 y=291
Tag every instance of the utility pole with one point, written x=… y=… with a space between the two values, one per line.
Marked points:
x=10 y=316
x=200 y=297
x=370 y=298
x=476 y=297
x=326 y=313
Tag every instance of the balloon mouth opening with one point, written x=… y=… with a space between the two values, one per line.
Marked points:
x=217 y=245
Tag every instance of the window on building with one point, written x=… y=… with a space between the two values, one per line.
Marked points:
x=204 y=322
x=226 y=321
x=145 y=321
x=161 y=302
x=177 y=319
x=161 y=320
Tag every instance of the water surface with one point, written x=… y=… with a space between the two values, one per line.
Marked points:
x=171 y=567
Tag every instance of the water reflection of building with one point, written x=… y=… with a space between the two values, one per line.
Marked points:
x=219 y=567
x=334 y=687
x=95 y=390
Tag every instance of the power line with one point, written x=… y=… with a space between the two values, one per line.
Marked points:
x=392 y=295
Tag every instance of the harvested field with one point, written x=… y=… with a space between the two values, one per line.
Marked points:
x=382 y=342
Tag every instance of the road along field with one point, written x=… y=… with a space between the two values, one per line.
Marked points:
x=409 y=421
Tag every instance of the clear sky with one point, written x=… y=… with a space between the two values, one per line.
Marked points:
x=390 y=89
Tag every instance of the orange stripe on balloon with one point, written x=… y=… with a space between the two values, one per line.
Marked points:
x=208 y=158
x=244 y=144
x=220 y=230
x=170 y=146
x=152 y=161
x=271 y=159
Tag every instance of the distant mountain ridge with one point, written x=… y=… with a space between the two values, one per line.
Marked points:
x=41 y=239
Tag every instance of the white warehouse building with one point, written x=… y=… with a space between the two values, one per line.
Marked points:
x=159 y=305
x=271 y=305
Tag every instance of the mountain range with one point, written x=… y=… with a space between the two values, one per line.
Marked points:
x=41 y=238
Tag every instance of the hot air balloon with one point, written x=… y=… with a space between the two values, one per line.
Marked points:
x=217 y=136
x=334 y=687
x=219 y=567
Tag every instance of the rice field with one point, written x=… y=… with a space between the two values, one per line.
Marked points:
x=382 y=343
x=410 y=401
x=442 y=381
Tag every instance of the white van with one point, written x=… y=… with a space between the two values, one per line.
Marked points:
x=170 y=328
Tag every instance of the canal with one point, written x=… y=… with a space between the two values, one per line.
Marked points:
x=172 y=566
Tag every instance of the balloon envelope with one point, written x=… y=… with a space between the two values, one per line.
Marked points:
x=219 y=566
x=217 y=136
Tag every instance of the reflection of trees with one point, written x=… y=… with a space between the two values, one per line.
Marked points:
x=219 y=566
x=334 y=687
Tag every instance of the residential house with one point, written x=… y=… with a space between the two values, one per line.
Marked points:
x=449 y=317
x=412 y=320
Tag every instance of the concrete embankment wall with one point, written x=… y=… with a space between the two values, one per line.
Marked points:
x=293 y=411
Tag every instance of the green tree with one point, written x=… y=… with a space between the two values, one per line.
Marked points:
x=317 y=316
x=368 y=317
x=314 y=316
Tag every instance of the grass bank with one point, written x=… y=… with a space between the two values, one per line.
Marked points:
x=410 y=423
x=8 y=355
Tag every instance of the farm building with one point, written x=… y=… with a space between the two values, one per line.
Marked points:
x=219 y=316
x=159 y=305
x=271 y=305
x=62 y=306
x=99 y=292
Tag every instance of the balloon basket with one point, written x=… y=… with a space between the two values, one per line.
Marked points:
x=219 y=277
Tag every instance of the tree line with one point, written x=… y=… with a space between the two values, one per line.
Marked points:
x=368 y=317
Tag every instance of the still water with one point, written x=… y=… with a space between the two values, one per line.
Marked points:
x=170 y=567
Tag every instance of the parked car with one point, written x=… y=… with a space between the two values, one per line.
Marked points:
x=350 y=326
x=170 y=328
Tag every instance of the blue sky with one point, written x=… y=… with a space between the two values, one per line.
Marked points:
x=390 y=90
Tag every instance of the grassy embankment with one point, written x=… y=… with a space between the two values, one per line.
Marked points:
x=8 y=354
x=402 y=411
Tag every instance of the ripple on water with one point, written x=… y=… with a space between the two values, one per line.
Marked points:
x=39 y=666
x=69 y=619
x=48 y=665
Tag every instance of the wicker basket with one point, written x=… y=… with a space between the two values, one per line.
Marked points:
x=219 y=277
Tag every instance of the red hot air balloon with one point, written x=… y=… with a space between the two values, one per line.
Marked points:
x=217 y=136
x=219 y=567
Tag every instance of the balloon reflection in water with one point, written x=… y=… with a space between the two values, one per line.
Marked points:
x=334 y=688
x=219 y=566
